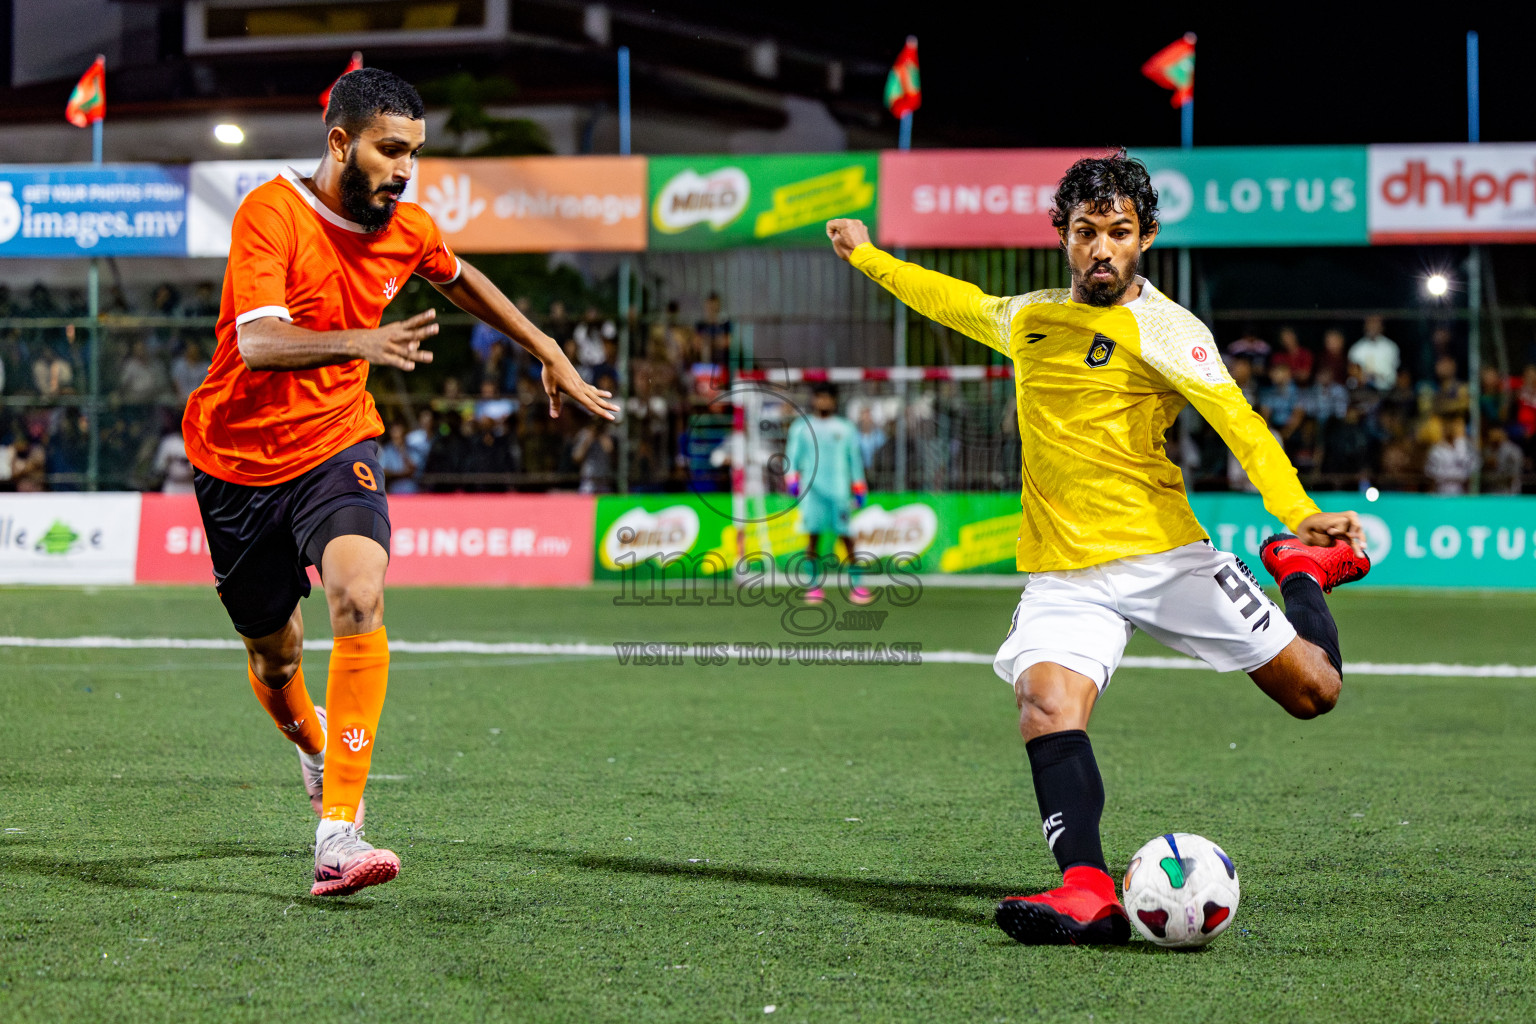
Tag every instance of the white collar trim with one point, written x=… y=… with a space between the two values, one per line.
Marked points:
x=1141 y=297
x=296 y=179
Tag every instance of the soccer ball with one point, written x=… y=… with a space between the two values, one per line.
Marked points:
x=1181 y=890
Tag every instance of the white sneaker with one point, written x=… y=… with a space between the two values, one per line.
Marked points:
x=312 y=767
x=345 y=864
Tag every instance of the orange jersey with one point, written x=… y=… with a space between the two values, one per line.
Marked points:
x=291 y=257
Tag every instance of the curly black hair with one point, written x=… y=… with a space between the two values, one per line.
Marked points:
x=362 y=95
x=1101 y=184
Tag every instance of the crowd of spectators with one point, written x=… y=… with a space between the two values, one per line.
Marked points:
x=1352 y=415
x=1349 y=414
x=490 y=430
x=146 y=374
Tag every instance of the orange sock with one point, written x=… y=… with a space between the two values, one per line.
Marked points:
x=354 y=697
x=292 y=710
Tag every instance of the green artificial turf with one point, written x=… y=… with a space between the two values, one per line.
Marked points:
x=584 y=841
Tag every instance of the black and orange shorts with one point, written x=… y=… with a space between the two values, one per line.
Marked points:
x=263 y=539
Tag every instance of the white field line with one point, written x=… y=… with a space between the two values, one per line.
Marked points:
x=585 y=650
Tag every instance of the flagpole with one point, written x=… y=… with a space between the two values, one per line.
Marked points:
x=899 y=337
x=903 y=95
x=1186 y=141
x=93 y=310
x=626 y=342
x=1474 y=288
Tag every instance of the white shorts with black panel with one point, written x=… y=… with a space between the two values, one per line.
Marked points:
x=1195 y=599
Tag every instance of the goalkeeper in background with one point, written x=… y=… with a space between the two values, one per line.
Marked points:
x=1107 y=535
x=824 y=468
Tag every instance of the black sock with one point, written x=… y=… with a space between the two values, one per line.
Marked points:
x=1071 y=796
x=1308 y=612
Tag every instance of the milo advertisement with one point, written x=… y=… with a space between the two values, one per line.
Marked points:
x=695 y=535
x=725 y=202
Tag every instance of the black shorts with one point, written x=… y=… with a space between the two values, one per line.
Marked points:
x=263 y=538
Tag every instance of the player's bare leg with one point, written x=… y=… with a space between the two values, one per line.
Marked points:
x=856 y=593
x=816 y=594
x=352 y=568
x=1306 y=677
x=1301 y=679
x=274 y=658
x=1054 y=706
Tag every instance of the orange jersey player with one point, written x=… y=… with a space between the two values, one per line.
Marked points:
x=281 y=434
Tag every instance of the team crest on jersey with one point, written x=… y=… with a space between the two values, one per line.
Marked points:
x=390 y=288
x=1100 y=351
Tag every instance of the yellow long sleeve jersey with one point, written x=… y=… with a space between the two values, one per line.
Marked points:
x=1097 y=389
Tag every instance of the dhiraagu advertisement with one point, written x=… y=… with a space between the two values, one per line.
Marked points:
x=721 y=202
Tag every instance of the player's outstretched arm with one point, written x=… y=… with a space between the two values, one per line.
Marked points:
x=1183 y=352
x=272 y=343
x=1205 y=382
x=474 y=293
x=956 y=304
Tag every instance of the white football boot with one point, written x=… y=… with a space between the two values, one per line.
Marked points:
x=345 y=864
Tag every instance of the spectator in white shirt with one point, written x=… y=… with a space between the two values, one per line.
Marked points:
x=1505 y=463
x=189 y=371
x=172 y=465
x=141 y=378
x=1377 y=354
x=1449 y=462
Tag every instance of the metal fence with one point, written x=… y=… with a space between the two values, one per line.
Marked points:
x=95 y=402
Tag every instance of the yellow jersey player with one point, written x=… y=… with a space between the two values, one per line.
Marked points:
x=1107 y=534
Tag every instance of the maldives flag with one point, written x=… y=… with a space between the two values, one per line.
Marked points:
x=903 y=88
x=352 y=65
x=88 y=103
x=1173 y=67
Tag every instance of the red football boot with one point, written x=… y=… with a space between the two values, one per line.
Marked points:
x=1083 y=912
x=1284 y=555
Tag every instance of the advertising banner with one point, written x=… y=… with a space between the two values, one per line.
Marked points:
x=1453 y=193
x=68 y=538
x=961 y=198
x=930 y=532
x=491 y=540
x=172 y=548
x=537 y=203
x=727 y=202
x=1251 y=196
x=219 y=186
x=1415 y=540
x=112 y=210
x=485 y=540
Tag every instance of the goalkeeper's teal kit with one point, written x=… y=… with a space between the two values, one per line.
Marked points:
x=824 y=452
